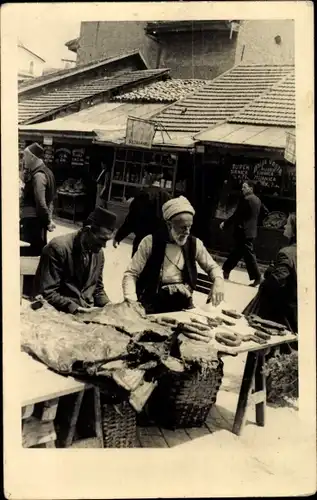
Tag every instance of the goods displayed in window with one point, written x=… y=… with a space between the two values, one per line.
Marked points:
x=275 y=220
x=72 y=186
x=133 y=169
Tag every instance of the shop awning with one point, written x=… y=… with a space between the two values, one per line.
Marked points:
x=246 y=135
x=106 y=123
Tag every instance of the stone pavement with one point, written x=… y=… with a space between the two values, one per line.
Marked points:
x=271 y=455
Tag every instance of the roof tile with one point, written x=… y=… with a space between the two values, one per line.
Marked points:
x=35 y=106
x=222 y=97
x=275 y=107
x=163 y=91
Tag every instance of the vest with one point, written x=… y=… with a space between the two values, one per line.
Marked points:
x=28 y=192
x=149 y=282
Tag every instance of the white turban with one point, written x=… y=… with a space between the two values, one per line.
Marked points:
x=177 y=206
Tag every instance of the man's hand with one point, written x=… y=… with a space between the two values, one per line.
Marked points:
x=51 y=227
x=87 y=309
x=216 y=294
x=137 y=306
x=222 y=225
x=115 y=243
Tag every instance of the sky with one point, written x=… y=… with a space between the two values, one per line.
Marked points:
x=45 y=32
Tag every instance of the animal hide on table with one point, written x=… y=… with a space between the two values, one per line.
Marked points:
x=126 y=318
x=62 y=343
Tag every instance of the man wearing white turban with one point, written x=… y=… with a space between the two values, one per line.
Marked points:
x=162 y=275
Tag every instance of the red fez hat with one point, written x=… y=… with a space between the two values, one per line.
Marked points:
x=102 y=218
x=36 y=149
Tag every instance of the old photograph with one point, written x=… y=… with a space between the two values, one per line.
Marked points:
x=158 y=231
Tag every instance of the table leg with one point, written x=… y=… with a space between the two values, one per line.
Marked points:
x=73 y=420
x=21 y=287
x=98 y=423
x=246 y=386
x=260 y=387
x=74 y=217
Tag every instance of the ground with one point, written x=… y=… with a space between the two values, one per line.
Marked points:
x=273 y=452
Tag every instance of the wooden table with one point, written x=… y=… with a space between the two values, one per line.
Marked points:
x=41 y=392
x=74 y=197
x=253 y=385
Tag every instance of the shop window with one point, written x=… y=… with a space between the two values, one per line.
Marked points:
x=132 y=168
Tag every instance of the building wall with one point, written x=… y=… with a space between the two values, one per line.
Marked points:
x=198 y=55
x=256 y=43
x=25 y=59
x=108 y=39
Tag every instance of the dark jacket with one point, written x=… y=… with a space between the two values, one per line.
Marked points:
x=149 y=281
x=145 y=215
x=64 y=280
x=38 y=194
x=277 y=297
x=245 y=217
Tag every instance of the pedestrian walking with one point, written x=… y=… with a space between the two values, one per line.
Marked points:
x=245 y=222
x=145 y=213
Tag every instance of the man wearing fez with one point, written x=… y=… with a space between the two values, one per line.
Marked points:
x=70 y=272
x=163 y=274
x=36 y=200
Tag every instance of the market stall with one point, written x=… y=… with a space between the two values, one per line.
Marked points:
x=171 y=365
x=225 y=166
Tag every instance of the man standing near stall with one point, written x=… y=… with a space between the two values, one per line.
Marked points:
x=245 y=223
x=145 y=213
x=36 y=200
x=162 y=274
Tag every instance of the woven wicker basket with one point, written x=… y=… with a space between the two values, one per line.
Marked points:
x=184 y=399
x=119 y=425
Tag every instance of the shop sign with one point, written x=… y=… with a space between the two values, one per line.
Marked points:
x=290 y=148
x=240 y=172
x=268 y=173
x=47 y=140
x=200 y=149
x=140 y=132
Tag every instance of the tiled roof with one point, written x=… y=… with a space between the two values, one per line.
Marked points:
x=275 y=107
x=163 y=91
x=222 y=98
x=58 y=76
x=43 y=105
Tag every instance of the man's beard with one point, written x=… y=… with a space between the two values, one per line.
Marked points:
x=178 y=239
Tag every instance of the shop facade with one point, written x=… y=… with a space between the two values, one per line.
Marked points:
x=223 y=169
x=88 y=168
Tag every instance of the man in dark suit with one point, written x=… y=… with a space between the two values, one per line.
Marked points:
x=145 y=213
x=245 y=222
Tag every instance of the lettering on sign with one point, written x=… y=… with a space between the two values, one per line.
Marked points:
x=48 y=155
x=240 y=172
x=139 y=132
x=63 y=156
x=268 y=173
x=78 y=157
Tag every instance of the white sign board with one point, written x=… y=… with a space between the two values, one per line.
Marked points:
x=139 y=132
x=290 y=148
x=47 y=140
